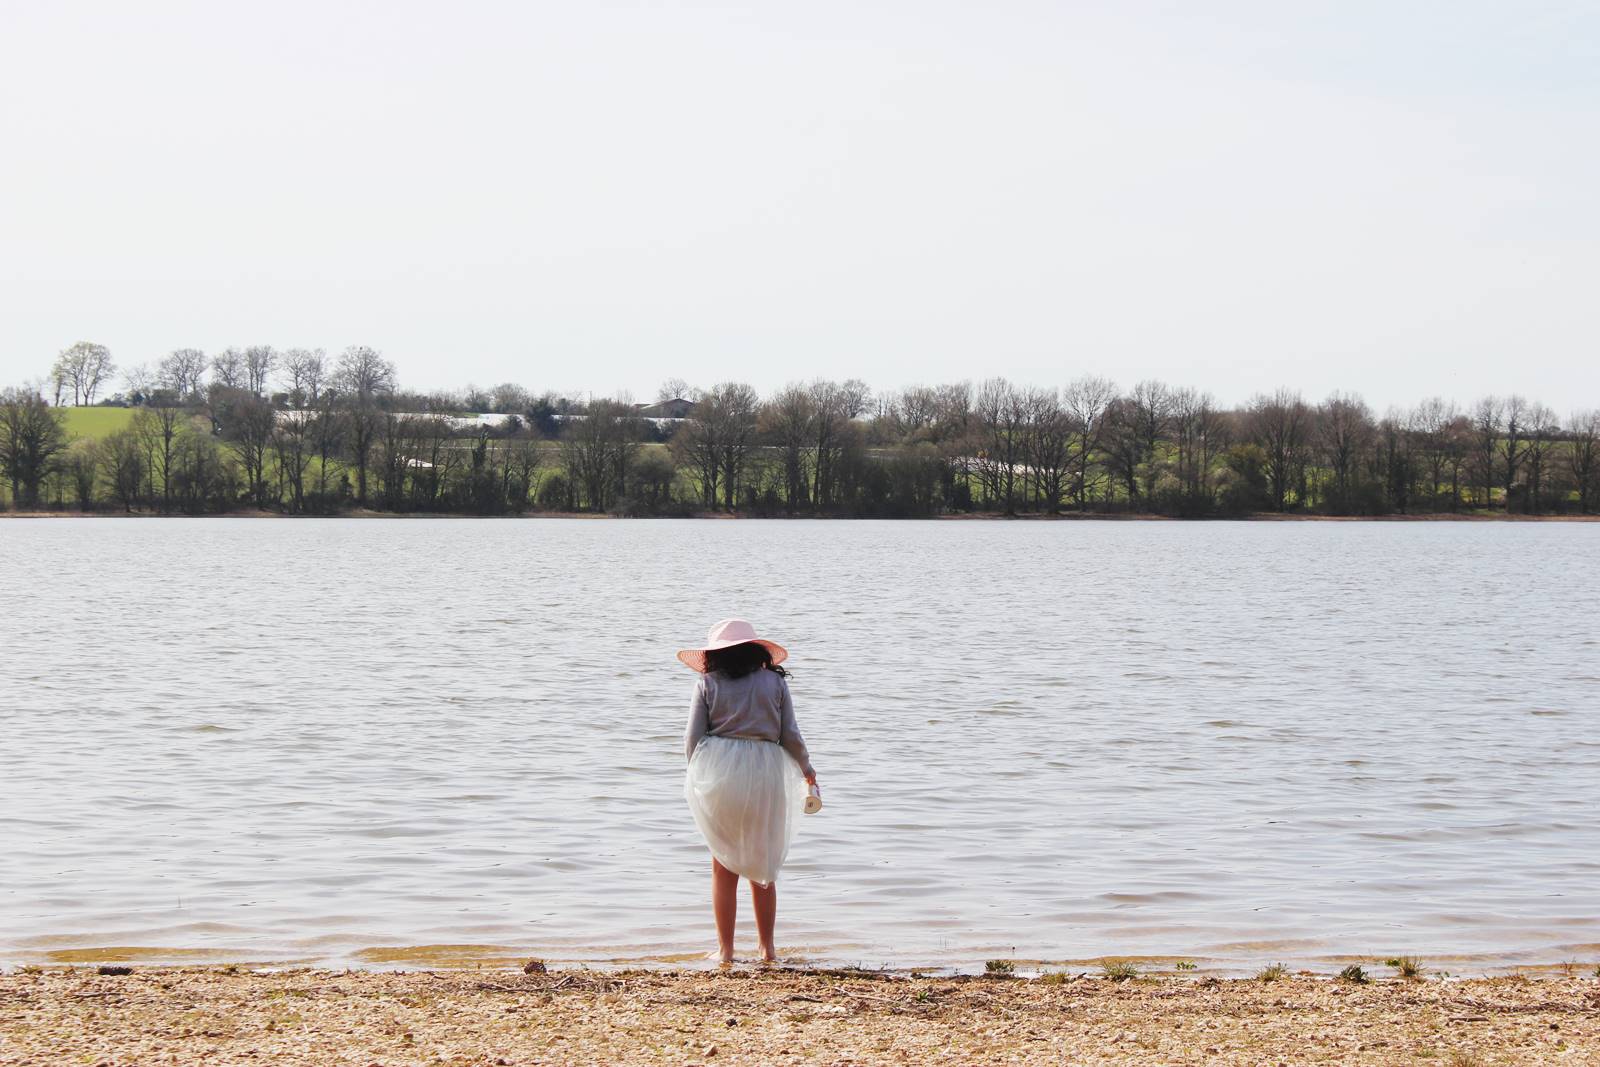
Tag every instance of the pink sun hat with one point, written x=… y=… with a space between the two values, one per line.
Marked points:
x=726 y=634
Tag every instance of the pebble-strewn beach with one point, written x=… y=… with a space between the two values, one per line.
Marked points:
x=229 y=1016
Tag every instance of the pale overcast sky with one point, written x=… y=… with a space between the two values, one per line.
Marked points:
x=1397 y=198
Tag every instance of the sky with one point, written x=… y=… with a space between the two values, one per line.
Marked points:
x=1393 y=198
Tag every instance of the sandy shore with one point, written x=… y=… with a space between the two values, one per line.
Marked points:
x=193 y=1016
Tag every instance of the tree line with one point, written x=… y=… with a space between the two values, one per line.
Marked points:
x=301 y=432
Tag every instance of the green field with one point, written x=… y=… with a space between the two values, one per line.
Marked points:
x=95 y=423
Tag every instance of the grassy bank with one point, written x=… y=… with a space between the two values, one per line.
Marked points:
x=183 y=1016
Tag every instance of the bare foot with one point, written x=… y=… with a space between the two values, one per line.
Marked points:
x=723 y=959
x=769 y=956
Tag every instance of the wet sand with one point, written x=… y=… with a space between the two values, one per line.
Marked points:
x=228 y=1016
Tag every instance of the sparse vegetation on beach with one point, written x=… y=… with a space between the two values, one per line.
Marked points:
x=1406 y=966
x=1271 y=973
x=1119 y=970
x=1354 y=974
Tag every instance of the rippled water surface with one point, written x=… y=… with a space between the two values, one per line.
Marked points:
x=418 y=742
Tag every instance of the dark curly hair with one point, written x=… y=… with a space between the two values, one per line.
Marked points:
x=736 y=661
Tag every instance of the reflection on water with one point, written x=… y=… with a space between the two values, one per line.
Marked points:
x=384 y=743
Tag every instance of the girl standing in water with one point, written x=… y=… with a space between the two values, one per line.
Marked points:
x=748 y=767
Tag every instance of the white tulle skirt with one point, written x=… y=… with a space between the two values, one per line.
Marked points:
x=746 y=796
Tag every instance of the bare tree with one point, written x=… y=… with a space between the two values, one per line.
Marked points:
x=1152 y=411
x=1279 y=424
x=508 y=398
x=675 y=389
x=787 y=421
x=258 y=363
x=228 y=369
x=1513 y=443
x=1543 y=429
x=1394 y=458
x=308 y=371
x=85 y=367
x=183 y=371
x=32 y=437
x=740 y=406
x=1488 y=421
x=364 y=377
x=1583 y=457
x=125 y=467
x=327 y=436
x=83 y=467
x=156 y=428
x=1047 y=446
x=1345 y=432
x=598 y=449
x=834 y=405
x=520 y=472
x=698 y=445
x=141 y=381
x=1086 y=401
x=247 y=422
x=1199 y=439
x=292 y=446
x=1430 y=422
x=1002 y=418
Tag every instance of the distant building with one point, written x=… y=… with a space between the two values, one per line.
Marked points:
x=676 y=408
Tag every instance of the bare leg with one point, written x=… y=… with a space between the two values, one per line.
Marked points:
x=765 y=900
x=725 y=905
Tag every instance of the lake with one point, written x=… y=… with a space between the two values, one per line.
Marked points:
x=436 y=742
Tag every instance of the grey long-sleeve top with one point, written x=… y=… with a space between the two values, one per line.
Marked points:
x=757 y=705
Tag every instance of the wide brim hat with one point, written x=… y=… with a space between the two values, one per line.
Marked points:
x=726 y=634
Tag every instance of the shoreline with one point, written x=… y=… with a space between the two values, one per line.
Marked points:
x=722 y=516
x=236 y=1015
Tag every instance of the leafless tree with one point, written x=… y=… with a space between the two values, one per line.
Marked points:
x=1488 y=425
x=1047 y=447
x=1345 y=432
x=141 y=381
x=1430 y=421
x=1394 y=459
x=85 y=367
x=740 y=406
x=508 y=398
x=156 y=427
x=183 y=371
x=364 y=378
x=787 y=421
x=1152 y=411
x=308 y=373
x=292 y=446
x=675 y=389
x=1280 y=425
x=1542 y=430
x=520 y=472
x=1199 y=439
x=1513 y=443
x=598 y=449
x=834 y=405
x=258 y=363
x=83 y=467
x=1002 y=419
x=228 y=369
x=247 y=422
x=32 y=439
x=698 y=445
x=125 y=468
x=327 y=437
x=1583 y=457
x=1086 y=402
